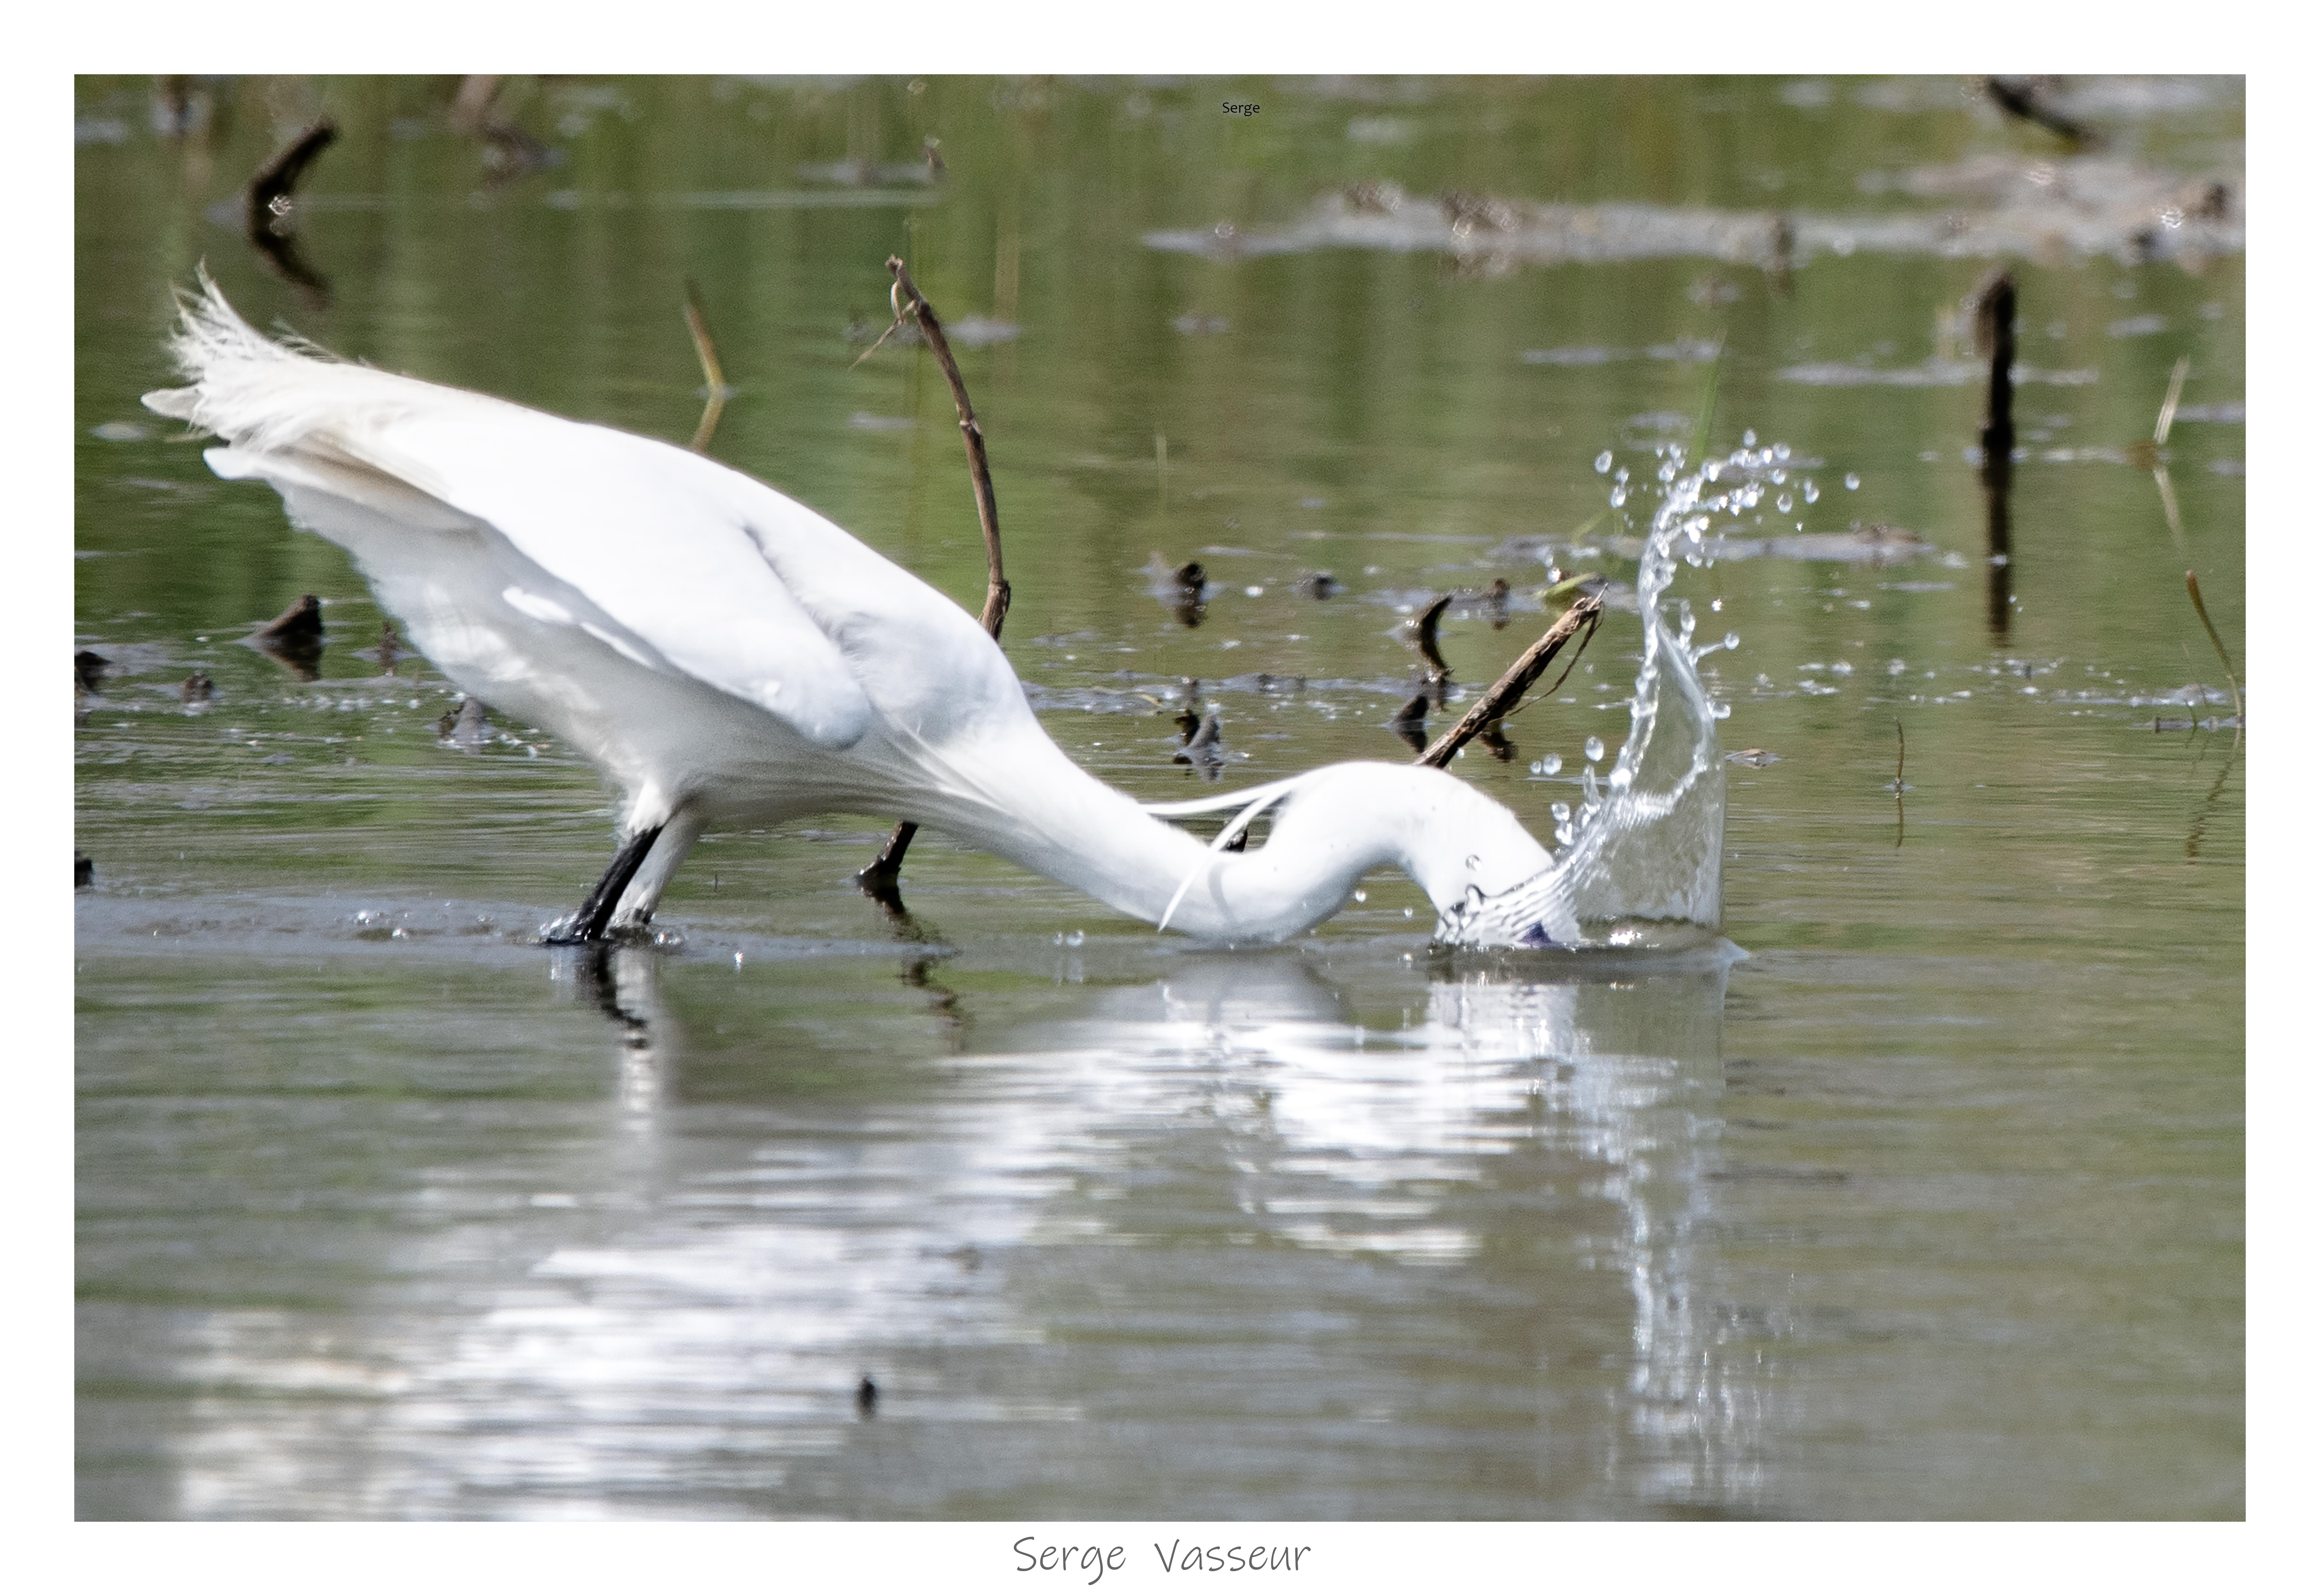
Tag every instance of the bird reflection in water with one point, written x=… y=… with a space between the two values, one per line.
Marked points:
x=1541 y=1126
x=1537 y=1132
x=623 y=983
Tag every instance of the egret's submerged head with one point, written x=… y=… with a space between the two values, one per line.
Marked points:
x=1535 y=912
x=1492 y=883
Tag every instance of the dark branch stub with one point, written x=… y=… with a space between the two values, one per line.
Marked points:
x=1994 y=335
x=1438 y=669
x=294 y=638
x=266 y=211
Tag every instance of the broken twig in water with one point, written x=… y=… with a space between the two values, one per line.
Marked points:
x=1409 y=722
x=2191 y=583
x=910 y=304
x=2140 y=453
x=1994 y=318
x=268 y=199
x=1994 y=336
x=1438 y=669
x=712 y=372
x=881 y=878
x=2166 y=406
x=1500 y=701
x=2018 y=96
x=266 y=211
x=1898 y=786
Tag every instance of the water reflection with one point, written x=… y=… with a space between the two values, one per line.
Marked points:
x=1307 y=1232
x=1542 y=1132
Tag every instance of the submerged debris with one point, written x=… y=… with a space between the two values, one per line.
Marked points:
x=1204 y=750
x=2082 y=205
x=84 y=870
x=1320 y=585
x=1184 y=588
x=1409 y=722
x=1188 y=716
x=1494 y=604
x=196 y=689
x=294 y=638
x=463 y=725
x=88 y=669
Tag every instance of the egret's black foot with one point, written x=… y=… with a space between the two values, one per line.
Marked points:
x=593 y=923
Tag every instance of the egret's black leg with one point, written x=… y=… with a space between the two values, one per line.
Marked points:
x=595 y=915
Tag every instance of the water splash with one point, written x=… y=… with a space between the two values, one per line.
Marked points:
x=1639 y=863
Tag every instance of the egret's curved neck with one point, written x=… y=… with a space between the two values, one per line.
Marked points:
x=1337 y=824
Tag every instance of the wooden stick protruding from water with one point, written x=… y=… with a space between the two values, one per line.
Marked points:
x=712 y=371
x=2191 y=585
x=1500 y=701
x=1994 y=317
x=908 y=303
x=882 y=878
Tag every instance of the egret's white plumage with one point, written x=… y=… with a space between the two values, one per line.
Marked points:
x=726 y=655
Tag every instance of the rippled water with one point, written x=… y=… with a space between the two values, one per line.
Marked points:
x=1929 y=1203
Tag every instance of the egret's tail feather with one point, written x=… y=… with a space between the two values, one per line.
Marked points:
x=267 y=393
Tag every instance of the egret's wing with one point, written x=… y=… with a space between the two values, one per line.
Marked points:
x=662 y=543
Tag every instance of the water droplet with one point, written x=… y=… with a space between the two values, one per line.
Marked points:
x=1594 y=747
x=1731 y=639
x=1602 y=462
x=1076 y=938
x=1748 y=439
x=1812 y=492
x=1550 y=765
x=1851 y=481
x=1784 y=503
x=1360 y=896
x=1560 y=811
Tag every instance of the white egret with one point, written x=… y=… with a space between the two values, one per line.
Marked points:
x=727 y=657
